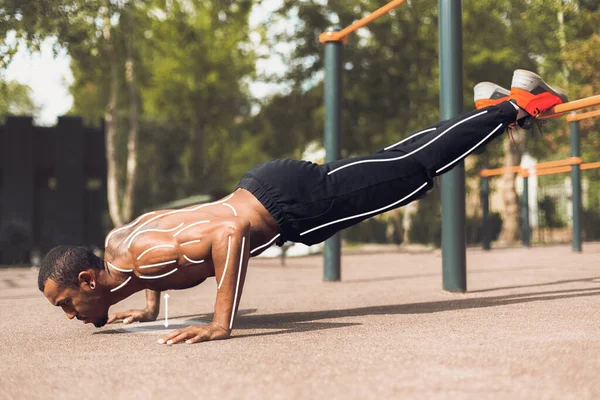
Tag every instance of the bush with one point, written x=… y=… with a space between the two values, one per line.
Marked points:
x=474 y=227
x=591 y=225
x=369 y=231
x=426 y=223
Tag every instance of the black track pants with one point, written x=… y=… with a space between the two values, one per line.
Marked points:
x=312 y=202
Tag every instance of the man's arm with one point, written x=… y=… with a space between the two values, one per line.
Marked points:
x=230 y=255
x=149 y=313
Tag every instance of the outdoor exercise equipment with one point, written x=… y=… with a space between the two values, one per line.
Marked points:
x=453 y=183
x=333 y=40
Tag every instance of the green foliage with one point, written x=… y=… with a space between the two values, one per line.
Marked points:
x=15 y=99
x=194 y=61
x=196 y=67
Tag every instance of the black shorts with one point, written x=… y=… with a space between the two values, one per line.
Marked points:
x=310 y=206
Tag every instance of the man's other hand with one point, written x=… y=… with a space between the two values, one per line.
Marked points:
x=130 y=316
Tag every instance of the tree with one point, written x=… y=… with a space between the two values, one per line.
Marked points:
x=179 y=67
x=83 y=28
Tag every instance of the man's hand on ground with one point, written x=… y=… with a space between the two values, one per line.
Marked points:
x=130 y=316
x=195 y=334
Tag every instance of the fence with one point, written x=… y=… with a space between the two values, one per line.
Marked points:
x=52 y=187
x=551 y=206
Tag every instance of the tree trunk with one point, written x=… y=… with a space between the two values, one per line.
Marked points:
x=513 y=152
x=132 y=154
x=562 y=40
x=110 y=119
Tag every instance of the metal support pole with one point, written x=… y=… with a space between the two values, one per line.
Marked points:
x=576 y=185
x=454 y=257
x=333 y=108
x=486 y=228
x=525 y=226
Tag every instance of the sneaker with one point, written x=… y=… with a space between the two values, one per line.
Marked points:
x=489 y=94
x=532 y=94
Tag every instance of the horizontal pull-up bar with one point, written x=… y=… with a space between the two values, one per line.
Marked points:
x=548 y=168
x=548 y=171
x=572 y=106
x=578 y=117
x=592 y=165
x=486 y=173
x=558 y=170
x=340 y=36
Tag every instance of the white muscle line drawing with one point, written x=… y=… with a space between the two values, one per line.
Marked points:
x=175 y=212
x=158 y=264
x=266 y=245
x=237 y=286
x=232 y=209
x=192 y=261
x=470 y=150
x=226 y=262
x=121 y=285
x=159 y=276
x=153 y=230
x=126 y=226
x=412 y=152
x=364 y=214
x=116 y=268
x=410 y=137
x=191 y=242
x=155 y=247
x=190 y=226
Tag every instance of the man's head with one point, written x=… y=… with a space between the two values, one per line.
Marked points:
x=70 y=278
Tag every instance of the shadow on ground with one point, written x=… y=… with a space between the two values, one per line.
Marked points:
x=305 y=321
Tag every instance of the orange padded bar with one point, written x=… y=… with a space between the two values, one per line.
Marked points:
x=590 y=165
x=559 y=163
x=547 y=171
x=341 y=35
x=579 y=117
x=486 y=173
x=572 y=106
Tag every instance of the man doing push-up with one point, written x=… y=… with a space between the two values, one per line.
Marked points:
x=279 y=201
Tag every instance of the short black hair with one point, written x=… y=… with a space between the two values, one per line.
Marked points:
x=63 y=264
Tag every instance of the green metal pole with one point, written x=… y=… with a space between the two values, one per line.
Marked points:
x=525 y=227
x=576 y=184
x=486 y=231
x=333 y=108
x=454 y=257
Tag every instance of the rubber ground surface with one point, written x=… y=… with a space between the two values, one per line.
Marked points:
x=529 y=328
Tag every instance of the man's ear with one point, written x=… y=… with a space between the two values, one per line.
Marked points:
x=87 y=280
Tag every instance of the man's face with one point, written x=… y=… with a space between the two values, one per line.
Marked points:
x=83 y=302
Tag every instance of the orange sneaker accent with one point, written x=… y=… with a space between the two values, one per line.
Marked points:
x=479 y=104
x=534 y=104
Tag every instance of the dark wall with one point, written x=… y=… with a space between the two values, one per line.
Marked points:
x=52 y=187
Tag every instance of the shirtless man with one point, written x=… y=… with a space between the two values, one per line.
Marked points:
x=279 y=201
